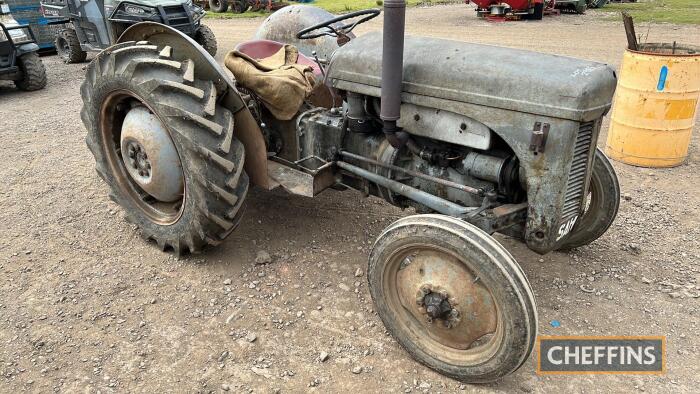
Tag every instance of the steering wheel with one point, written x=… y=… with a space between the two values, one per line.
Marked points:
x=327 y=29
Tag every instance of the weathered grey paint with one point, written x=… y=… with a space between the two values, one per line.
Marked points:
x=507 y=91
x=283 y=25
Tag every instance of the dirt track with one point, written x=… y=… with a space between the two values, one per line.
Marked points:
x=86 y=305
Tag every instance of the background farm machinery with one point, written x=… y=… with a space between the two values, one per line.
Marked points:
x=531 y=9
x=241 y=6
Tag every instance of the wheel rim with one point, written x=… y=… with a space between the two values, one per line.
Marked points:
x=127 y=169
x=421 y=278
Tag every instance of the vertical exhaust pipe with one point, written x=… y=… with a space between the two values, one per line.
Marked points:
x=392 y=70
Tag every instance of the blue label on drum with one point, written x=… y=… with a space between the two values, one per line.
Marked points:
x=662 y=79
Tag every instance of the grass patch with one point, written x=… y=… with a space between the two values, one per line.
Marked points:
x=659 y=11
x=332 y=6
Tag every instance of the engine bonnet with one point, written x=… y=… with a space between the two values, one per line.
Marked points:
x=506 y=78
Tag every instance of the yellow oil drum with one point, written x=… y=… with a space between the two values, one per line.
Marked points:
x=655 y=105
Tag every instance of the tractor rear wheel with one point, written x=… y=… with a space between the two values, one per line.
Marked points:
x=206 y=38
x=538 y=13
x=164 y=146
x=218 y=5
x=603 y=202
x=68 y=47
x=33 y=72
x=239 y=6
x=453 y=297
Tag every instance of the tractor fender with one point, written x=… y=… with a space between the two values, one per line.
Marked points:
x=26 y=48
x=184 y=47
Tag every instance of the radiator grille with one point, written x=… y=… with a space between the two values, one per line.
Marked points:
x=176 y=15
x=577 y=174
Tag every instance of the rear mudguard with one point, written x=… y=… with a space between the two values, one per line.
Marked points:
x=184 y=47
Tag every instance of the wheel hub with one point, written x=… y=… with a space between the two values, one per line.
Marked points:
x=436 y=306
x=446 y=298
x=150 y=156
x=435 y=303
x=138 y=159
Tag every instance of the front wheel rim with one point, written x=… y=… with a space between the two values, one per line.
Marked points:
x=458 y=339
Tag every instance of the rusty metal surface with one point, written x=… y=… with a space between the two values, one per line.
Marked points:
x=293 y=181
x=433 y=202
x=417 y=174
x=150 y=156
x=425 y=269
x=248 y=132
x=296 y=179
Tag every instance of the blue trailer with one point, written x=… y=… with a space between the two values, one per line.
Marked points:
x=28 y=12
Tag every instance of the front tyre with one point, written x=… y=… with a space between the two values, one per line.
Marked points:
x=68 y=47
x=164 y=146
x=453 y=297
x=206 y=38
x=603 y=202
x=33 y=72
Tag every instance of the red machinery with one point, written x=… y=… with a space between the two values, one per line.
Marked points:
x=512 y=9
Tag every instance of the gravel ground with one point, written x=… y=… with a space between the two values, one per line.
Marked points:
x=87 y=306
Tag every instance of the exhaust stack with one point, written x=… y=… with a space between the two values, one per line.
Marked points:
x=392 y=70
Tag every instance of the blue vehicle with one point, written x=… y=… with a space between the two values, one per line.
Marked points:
x=96 y=24
x=19 y=61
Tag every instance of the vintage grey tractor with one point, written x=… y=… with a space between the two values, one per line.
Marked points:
x=477 y=139
x=96 y=24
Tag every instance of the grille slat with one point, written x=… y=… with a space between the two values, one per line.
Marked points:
x=573 y=197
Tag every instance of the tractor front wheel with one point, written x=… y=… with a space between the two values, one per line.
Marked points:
x=164 y=146
x=33 y=72
x=206 y=38
x=602 y=203
x=68 y=47
x=453 y=297
x=218 y=5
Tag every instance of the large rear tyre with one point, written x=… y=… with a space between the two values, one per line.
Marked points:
x=206 y=38
x=603 y=202
x=33 y=72
x=164 y=146
x=218 y=5
x=538 y=12
x=239 y=6
x=453 y=297
x=68 y=46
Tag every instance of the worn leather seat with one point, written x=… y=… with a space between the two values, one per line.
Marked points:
x=261 y=49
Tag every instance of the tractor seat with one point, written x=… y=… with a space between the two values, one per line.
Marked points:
x=261 y=49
